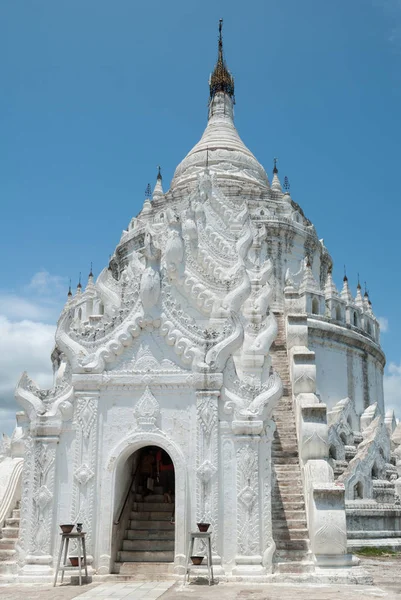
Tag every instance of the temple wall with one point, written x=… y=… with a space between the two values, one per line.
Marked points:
x=331 y=371
x=344 y=371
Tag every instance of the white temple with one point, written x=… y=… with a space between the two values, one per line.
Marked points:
x=215 y=333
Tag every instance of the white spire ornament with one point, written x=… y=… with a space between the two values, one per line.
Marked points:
x=158 y=191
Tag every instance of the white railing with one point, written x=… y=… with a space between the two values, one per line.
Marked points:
x=10 y=489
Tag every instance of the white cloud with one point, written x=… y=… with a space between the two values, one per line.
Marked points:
x=40 y=300
x=43 y=283
x=392 y=388
x=383 y=322
x=27 y=328
x=24 y=346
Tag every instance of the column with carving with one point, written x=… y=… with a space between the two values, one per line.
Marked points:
x=248 y=559
x=83 y=495
x=37 y=507
x=207 y=499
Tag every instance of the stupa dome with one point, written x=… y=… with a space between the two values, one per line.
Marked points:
x=221 y=148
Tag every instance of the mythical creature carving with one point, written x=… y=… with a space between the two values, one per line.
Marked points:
x=266 y=399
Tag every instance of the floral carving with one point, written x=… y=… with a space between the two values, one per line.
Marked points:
x=147 y=408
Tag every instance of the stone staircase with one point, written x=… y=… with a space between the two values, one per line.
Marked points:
x=289 y=525
x=8 y=538
x=149 y=537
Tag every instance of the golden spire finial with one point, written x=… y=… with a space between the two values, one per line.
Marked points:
x=221 y=79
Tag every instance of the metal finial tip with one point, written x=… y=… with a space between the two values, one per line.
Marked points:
x=159 y=173
x=91 y=273
x=275 y=169
x=69 y=289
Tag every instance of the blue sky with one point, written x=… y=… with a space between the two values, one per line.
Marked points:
x=96 y=93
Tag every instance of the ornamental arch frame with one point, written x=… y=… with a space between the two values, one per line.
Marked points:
x=104 y=558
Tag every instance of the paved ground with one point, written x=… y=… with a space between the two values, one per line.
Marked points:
x=386 y=574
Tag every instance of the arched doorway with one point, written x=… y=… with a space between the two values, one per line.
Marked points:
x=144 y=528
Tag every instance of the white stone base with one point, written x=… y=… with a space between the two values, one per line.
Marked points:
x=392 y=543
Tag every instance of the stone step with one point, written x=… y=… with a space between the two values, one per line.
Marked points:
x=148 y=545
x=6 y=554
x=299 y=544
x=158 y=489
x=135 y=524
x=287 y=505
x=282 y=555
x=16 y=514
x=147 y=571
x=10 y=532
x=294 y=567
x=285 y=483
x=289 y=524
x=291 y=534
x=287 y=514
x=8 y=567
x=283 y=478
x=282 y=486
x=146 y=506
x=151 y=515
x=159 y=498
x=12 y=522
x=286 y=460
x=149 y=534
x=7 y=544
x=127 y=556
x=295 y=494
x=286 y=468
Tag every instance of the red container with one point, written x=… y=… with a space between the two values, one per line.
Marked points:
x=197 y=560
x=66 y=528
x=203 y=527
x=74 y=561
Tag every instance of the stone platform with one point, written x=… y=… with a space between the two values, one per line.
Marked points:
x=386 y=574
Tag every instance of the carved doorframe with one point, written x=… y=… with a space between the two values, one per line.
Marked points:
x=106 y=508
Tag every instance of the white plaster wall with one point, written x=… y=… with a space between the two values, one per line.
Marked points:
x=331 y=372
x=357 y=383
x=375 y=384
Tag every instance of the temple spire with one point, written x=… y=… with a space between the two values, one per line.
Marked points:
x=221 y=79
x=158 y=190
x=276 y=185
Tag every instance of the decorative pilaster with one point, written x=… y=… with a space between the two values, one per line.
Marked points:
x=37 y=507
x=255 y=545
x=83 y=493
x=207 y=461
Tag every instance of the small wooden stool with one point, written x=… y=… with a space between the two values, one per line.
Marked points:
x=65 y=540
x=192 y=537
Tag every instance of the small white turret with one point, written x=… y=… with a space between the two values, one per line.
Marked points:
x=147 y=206
x=308 y=282
x=276 y=185
x=345 y=292
x=79 y=287
x=90 y=285
x=158 y=191
x=358 y=297
x=330 y=289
